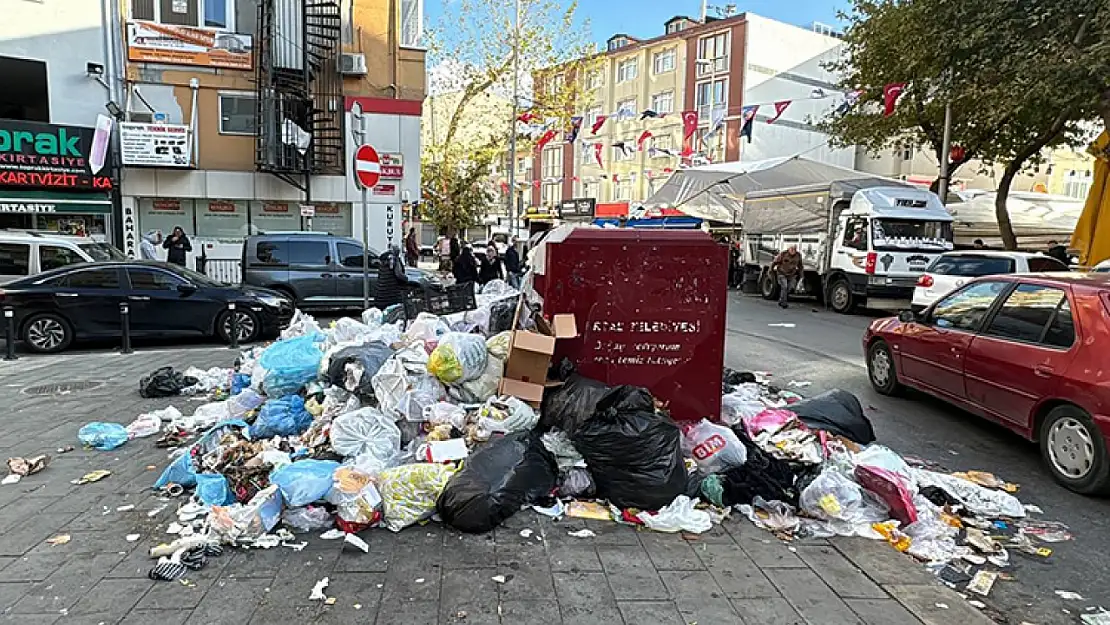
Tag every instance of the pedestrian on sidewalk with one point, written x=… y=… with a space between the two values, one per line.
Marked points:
x=788 y=268
x=177 y=246
x=465 y=267
x=491 y=268
x=391 y=279
x=512 y=264
x=412 y=248
x=148 y=248
x=443 y=251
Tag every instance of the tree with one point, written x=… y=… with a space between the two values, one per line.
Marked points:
x=456 y=194
x=1019 y=77
x=477 y=42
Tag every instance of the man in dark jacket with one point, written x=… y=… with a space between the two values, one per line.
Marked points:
x=490 y=268
x=391 y=279
x=788 y=267
x=465 y=267
x=512 y=264
x=177 y=245
x=1059 y=252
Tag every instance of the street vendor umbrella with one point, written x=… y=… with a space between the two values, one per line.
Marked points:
x=1092 y=233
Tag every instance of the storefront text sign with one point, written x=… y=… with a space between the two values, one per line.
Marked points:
x=185 y=45
x=48 y=156
x=393 y=166
x=156 y=145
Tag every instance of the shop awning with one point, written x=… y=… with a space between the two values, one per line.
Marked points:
x=32 y=202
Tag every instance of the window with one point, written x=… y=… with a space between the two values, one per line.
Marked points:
x=595 y=79
x=412 y=23
x=965 y=309
x=1027 y=312
x=238 y=114
x=101 y=251
x=1045 y=264
x=234 y=15
x=676 y=26
x=153 y=280
x=855 y=233
x=1077 y=184
x=713 y=147
x=662 y=142
x=552 y=162
x=25 y=95
x=350 y=255
x=713 y=54
x=904 y=152
x=554 y=84
x=907 y=234
x=623 y=191
x=524 y=164
x=971 y=266
x=1061 y=332
x=589 y=189
x=551 y=194
x=626 y=109
x=627 y=70
x=272 y=253
x=625 y=154
x=53 y=257
x=309 y=252
x=93 y=279
x=663 y=62
x=15 y=259
x=712 y=99
x=591 y=116
x=616 y=43
x=663 y=102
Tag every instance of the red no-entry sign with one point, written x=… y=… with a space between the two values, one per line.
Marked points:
x=368 y=167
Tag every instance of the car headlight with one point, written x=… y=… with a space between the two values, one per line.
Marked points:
x=273 y=301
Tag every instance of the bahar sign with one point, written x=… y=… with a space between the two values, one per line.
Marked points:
x=48 y=156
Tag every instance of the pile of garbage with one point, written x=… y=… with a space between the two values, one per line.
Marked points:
x=381 y=422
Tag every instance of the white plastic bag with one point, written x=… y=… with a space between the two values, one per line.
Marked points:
x=366 y=431
x=390 y=384
x=714 y=447
x=425 y=391
x=147 y=424
x=505 y=415
x=832 y=496
x=308 y=519
x=347 y=330
x=247 y=400
x=443 y=412
x=977 y=499
x=735 y=408
x=426 y=327
x=498 y=288
x=301 y=324
x=373 y=317
x=484 y=386
x=678 y=516
x=884 y=458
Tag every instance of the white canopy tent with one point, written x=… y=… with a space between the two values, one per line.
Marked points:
x=1037 y=218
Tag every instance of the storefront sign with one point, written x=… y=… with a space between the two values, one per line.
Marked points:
x=385 y=189
x=47 y=156
x=579 y=207
x=156 y=145
x=393 y=166
x=152 y=42
x=130 y=230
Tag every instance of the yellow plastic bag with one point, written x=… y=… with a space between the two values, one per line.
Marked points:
x=444 y=364
x=498 y=344
x=409 y=492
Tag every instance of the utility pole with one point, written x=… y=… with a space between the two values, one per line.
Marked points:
x=945 y=148
x=512 y=121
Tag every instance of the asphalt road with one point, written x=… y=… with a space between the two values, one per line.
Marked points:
x=824 y=348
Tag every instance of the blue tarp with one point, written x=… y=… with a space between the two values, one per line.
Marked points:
x=667 y=223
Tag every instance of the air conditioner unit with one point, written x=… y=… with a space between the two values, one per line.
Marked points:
x=352 y=64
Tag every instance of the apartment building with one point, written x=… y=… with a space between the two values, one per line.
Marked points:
x=237 y=116
x=713 y=69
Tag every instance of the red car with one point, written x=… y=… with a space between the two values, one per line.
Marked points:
x=1031 y=352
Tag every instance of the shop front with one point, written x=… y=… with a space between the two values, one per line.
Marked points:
x=56 y=178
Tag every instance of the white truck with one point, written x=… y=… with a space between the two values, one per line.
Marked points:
x=863 y=242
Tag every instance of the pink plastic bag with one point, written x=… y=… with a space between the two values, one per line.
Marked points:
x=891 y=489
x=770 y=419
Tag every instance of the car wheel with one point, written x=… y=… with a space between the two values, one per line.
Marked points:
x=880 y=369
x=1075 y=452
x=769 y=285
x=840 y=296
x=47 y=334
x=247 y=326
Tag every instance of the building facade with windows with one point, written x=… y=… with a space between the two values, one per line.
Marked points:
x=237 y=117
x=713 y=69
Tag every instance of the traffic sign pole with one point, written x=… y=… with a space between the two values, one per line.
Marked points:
x=365 y=252
x=367 y=166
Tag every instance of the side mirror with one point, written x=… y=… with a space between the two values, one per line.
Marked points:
x=907 y=316
x=187 y=288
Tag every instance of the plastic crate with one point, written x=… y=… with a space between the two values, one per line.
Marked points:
x=453 y=299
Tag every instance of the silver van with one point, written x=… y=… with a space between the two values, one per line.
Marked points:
x=28 y=252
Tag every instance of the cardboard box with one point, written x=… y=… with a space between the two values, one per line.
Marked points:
x=530 y=357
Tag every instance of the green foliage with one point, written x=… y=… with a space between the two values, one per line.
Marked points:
x=456 y=195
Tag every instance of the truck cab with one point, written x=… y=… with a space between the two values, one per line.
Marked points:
x=880 y=245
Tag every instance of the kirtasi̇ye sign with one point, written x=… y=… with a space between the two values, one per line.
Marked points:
x=34 y=155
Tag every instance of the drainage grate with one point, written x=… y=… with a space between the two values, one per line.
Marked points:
x=62 y=388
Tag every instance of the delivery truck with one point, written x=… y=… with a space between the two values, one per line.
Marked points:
x=863 y=242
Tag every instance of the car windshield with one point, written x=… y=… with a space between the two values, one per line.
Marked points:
x=911 y=234
x=971 y=266
x=101 y=251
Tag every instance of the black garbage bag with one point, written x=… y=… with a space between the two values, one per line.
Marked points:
x=501 y=314
x=370 y=357
x=576 y=482
x=837 y=412
x=634 y=453
x=503 y=475
x=732 y=378
x=164 y=382
x=761 y=474
x=568 y=406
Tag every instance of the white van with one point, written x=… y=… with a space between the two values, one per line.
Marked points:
x=27 y=252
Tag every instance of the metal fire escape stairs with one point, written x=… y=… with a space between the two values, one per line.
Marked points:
x=299 y=90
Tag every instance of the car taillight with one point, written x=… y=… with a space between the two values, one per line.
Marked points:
x=872 y=258
x=925 y=281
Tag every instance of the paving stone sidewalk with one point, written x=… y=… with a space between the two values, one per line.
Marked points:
x=733 y=574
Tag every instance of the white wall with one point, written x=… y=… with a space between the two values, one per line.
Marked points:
x=395 y=134
x=66 y=34
x=784 y=62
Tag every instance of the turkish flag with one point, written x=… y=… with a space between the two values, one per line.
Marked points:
x=780 y=108
x=545 y=139
x=598 y=147
x=689 y=124
x=891 y=93
x=643 y=137
x=598 y=124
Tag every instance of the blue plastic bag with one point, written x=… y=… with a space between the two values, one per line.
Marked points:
x=239 y=382
x=213 y=489
x=290 y=364
x=102 y=436
x=281 y=417
x=181 y=470
x=304 y=482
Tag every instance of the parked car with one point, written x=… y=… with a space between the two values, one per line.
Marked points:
x=1103 y=267
x=952 y=270
x=27 y=252
x=316 y=270
x=56 y=308
x=1025 y=351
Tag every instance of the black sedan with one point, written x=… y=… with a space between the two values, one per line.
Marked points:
x=54 y=308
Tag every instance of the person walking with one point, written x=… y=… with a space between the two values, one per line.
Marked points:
x=412 y=248
x=443 y=250
x=1059 y=252
x=456 y=247
x=148 y=247
x=788 y=268
x=512 y=264
x=391 y=279
x=177 y=246
x=465 y=267
x=491 y=268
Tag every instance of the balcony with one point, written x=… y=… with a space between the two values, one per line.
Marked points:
x=710 y=67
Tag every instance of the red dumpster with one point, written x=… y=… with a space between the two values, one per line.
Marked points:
x=650 y=308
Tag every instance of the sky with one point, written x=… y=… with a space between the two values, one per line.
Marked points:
x=644 y=18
